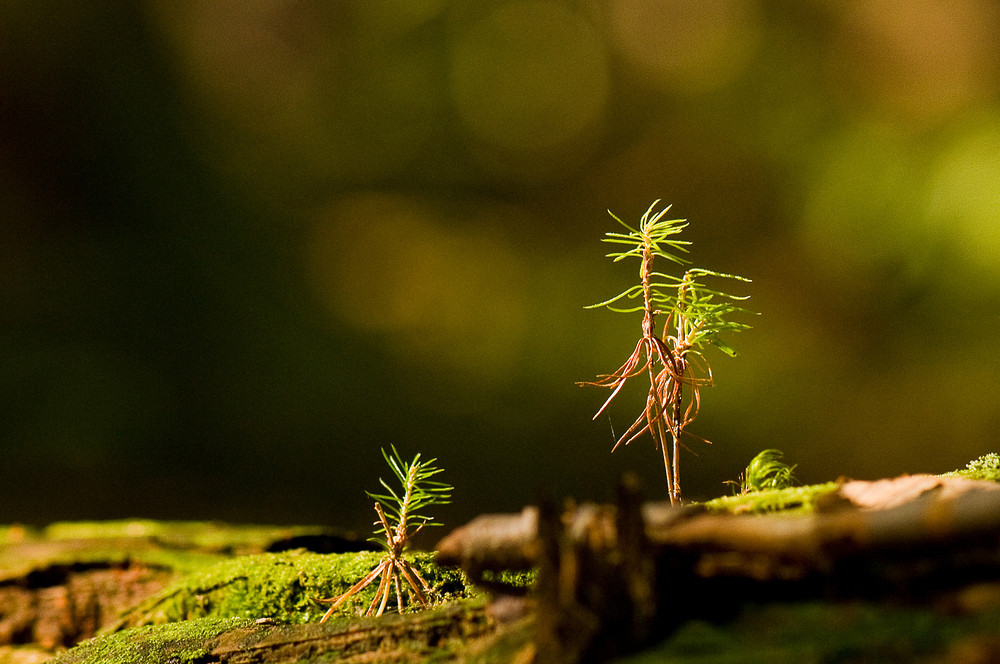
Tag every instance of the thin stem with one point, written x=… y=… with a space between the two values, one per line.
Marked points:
x=655 y=406
x=670 y=473
x=654 y=417
x=391 y=538
x=411 y=480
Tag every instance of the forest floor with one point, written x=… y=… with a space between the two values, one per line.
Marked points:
x=902 y=570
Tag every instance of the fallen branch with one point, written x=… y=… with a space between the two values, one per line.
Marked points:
x=616 y=575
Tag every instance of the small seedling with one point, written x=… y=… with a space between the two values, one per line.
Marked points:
x=696 y=317
x=396 y=515
x=766 y=471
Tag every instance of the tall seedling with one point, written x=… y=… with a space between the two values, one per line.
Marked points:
x=696 y=316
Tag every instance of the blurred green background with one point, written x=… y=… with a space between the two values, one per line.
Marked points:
x=245 y=244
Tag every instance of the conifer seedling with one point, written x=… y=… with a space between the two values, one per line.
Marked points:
x=397 y=513
x=765 y=471
x=672 y=360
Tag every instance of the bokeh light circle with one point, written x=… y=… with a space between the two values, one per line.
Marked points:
x=446 y=294
x=688 y=47
x=964 y=195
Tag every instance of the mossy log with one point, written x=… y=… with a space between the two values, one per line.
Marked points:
x=882 y=519
x=246 y=608
x=64 y=583
x=614 y=579
x=393 y=637
x=283 y=587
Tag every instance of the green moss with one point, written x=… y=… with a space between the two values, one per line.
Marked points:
x=989 y=475
x=208 y=536
x=821 y=632
x=17 y=561
x=803 y=498
x=986 y=467
x=176 y=643
x=517 y=579
x=277 y=585
x=421 y=635
x=797 y=499
x=182 y=547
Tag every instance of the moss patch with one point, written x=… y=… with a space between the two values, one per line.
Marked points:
x=177 y=642
x=793 y=499
x=988 y=474
x=207 y=536
x=986 y=467
x=180 y=546
x=804 y=498
x=17 y=561
x=516 y=580
x=410 y=637
x=824 y=632
x=281 y=586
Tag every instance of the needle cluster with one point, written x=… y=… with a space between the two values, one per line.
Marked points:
x=671 y=358
x=398 y=512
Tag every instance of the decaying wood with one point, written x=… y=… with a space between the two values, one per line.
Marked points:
x=58 y=590
x=611 y=576
x=493 y=542
x=391 y=638
x=61 y=605
x=883 y=494
x=897 y=513
x=597 y=584
x=383 y=641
